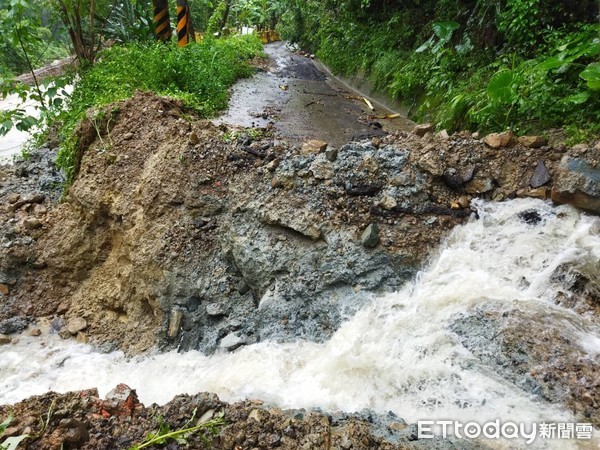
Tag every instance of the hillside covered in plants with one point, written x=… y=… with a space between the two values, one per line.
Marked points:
x=470 y=64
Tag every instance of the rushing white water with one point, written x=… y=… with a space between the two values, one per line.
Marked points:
x=397 y=354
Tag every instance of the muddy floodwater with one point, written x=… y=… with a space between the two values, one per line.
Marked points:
x=302 y=101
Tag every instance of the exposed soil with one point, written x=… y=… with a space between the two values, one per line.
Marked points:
x=82 y=420
x=179 y=233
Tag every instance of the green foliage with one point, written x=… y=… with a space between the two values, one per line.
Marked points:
x=47 y=99
x=27 y=31
x=198 y=74
x=13 y=442
x=165 y=433
x=479 y=64
x=130 y=21
x=217 y=18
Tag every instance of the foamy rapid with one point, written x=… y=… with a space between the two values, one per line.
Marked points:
x=397 y=354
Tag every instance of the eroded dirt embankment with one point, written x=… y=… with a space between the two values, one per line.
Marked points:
x=181 y=234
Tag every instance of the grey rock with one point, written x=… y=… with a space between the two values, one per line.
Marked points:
x=578 y=183
x=58 y=323
x=232 y=341
x=243 y=287
x=12 y=325
x=216 y=309
x=331 y=154
x=541 y=176
x=370 y=236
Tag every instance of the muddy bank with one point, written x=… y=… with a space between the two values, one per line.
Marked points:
x=187 y=235
x=82 y=420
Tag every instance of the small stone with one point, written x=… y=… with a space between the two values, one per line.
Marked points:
x=331 y=154
x=243 y=287
x=370 y=236
x=232 y=341
x=76 y=324
x=208 y=415
x=34 y=198
x=276 y=183
x=454 y=205
x=64 y=334
x=82 y=338
x=35 y=332
x=499 y=140
x=4 y=339
x=175 y=323
x=579 y=149
x=76 y=433
x=541 y=192
x=128 y=136
x=193 y=138
x=533 y=141
x=273 y=165
x=31 y=223
x=443 y=135
x=215 y=309
x=4 y=289
x=62 y=308
x=479 y=186
x=40 y=210
x=476 y=135
x=540 y=176
x=322 y=170
x=422 y=129
x=464 y=202
x=313 y=147
x=388 y=202
x=376 y=142
x=13 y=198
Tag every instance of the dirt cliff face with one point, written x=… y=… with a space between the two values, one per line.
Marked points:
x=181 y=234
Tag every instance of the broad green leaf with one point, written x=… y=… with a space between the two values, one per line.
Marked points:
x=4 y=425
x=12 y=443
x=579 y=98
x=501 y=86
x=444 y=30
x=425 y=46
x=591 y=74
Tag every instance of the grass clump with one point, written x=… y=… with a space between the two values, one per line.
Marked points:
x=199 y=75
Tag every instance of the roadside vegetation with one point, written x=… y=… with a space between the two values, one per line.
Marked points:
x=482 y=65
x=485 y=65
x=118 y=55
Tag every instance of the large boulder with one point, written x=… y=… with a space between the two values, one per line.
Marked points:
x=578 y=182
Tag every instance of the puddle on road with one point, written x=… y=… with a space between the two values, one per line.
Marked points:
x=304 y=103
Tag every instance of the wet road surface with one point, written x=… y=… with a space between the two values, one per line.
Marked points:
x=302 y=103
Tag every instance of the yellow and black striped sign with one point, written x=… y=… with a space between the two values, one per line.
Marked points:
x=182 y=22
x=162 y=20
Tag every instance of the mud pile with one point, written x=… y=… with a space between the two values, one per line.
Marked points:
x=183 y=234
x=82 y=420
